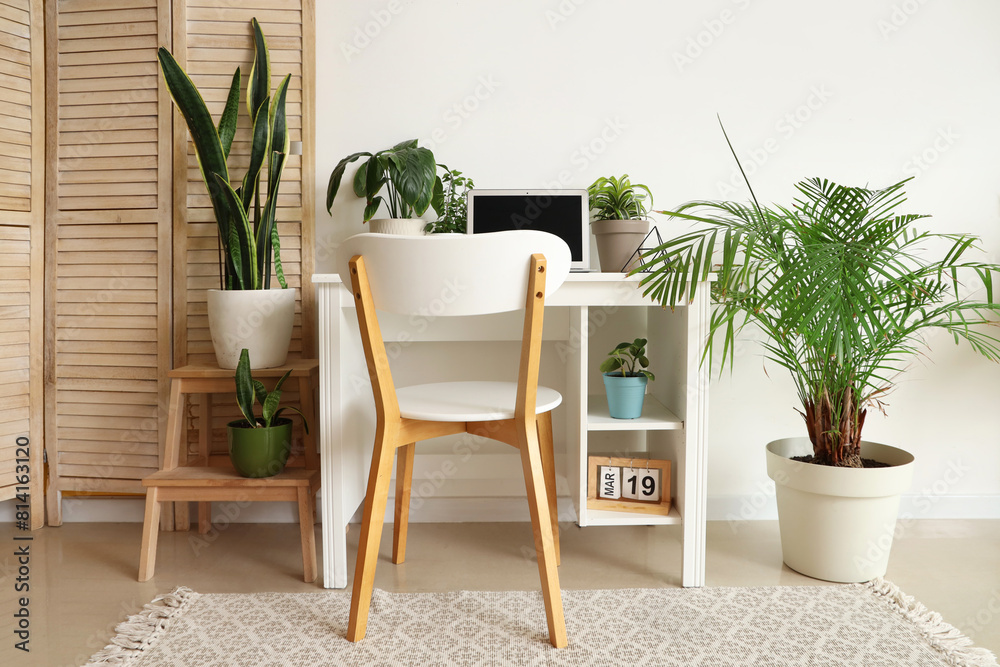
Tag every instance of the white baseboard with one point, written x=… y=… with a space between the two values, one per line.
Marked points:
x=761 y=506
x=754 y=507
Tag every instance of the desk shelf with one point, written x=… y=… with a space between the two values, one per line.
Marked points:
x=603 y=310
x=609 y=518
x=655 y=416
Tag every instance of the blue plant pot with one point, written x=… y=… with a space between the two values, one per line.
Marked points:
x=625 y=395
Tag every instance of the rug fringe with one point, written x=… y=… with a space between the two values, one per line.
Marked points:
x=956 y=648
x=140 y=631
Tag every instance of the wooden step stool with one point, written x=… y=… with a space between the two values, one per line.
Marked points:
x=209 y=478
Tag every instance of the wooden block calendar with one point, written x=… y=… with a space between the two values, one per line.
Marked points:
x=628 y=484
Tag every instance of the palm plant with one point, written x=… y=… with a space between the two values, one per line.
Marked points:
x=248 y=235
x=840 y=287
x=618 y=199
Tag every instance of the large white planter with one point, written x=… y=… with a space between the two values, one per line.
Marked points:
x=259 y=320
x=837 y=524
x=400 y=226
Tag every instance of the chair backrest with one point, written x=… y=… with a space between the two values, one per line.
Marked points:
x=454 y=274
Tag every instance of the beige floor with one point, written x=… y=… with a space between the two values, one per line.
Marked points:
x=82 y=576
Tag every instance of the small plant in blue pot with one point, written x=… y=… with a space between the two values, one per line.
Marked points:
x=625 y=378
x=259 y=446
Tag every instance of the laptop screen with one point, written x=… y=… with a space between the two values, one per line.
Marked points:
x=564 y=213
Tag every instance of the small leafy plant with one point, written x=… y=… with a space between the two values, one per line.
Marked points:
x=406 y=171
x=454 y=208
x=629 y=359
x=618 y=199
x=248 y=389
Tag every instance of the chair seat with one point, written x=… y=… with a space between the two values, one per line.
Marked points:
x=467 y=401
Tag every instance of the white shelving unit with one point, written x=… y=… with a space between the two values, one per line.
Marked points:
x=577 y=318
x=673 y=423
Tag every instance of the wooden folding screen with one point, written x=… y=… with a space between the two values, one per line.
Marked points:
x=212 y=39
x=108 y=213
x=22 y=226
x=131 y=239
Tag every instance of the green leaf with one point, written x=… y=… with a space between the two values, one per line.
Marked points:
x=305 y=424
x=371 y=208
x=413 y=176
x=260 y=391
x=281 y=381
x=259 y=83
x=279 y=271
x=244 y=387
x=227 y=123
x=204 y=135
x=258 y=150
x=610 y=364
x=277 y=120
x=270 y=405
x=267 y=229
x=244 y=237
x=337 y=175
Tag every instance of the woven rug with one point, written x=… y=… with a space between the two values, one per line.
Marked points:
x=868 y=625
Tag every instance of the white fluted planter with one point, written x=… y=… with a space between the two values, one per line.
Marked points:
x=259 y=320
x=837 y=524
x=400 y=226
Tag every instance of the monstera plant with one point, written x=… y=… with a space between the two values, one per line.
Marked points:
x=248 y=235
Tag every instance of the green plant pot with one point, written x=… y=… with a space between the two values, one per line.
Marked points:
x=625 y=395
x=259 y=452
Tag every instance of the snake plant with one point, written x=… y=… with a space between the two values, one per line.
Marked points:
x=248 y=234
x=248 y=390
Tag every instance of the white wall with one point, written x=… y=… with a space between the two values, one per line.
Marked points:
x=523 y=93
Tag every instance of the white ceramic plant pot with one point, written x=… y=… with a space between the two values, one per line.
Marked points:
x=400 y=226
x=259 y=320
x=837 y=524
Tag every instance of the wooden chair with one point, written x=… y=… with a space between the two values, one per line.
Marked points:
x=209 y=477
x=457 y=275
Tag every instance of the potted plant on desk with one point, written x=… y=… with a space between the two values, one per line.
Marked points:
x=839 y=285
x=259 y=446
x=409 y=175
x=244 y=311
x=454 y=208
x=620 y=212
x=625 y=379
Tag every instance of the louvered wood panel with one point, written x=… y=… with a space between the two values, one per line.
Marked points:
x=22 y=253
x=108 y=211
x=211 y=39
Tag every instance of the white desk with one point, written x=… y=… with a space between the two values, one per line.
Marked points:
x=673 y=426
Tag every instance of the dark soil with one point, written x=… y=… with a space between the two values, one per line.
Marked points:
x=867 y=463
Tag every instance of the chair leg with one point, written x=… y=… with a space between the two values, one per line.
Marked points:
x=308 y=532
x=371 y=534
x=404 y=480
x=150 y=533
x=538 y=503
x=546 y=447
